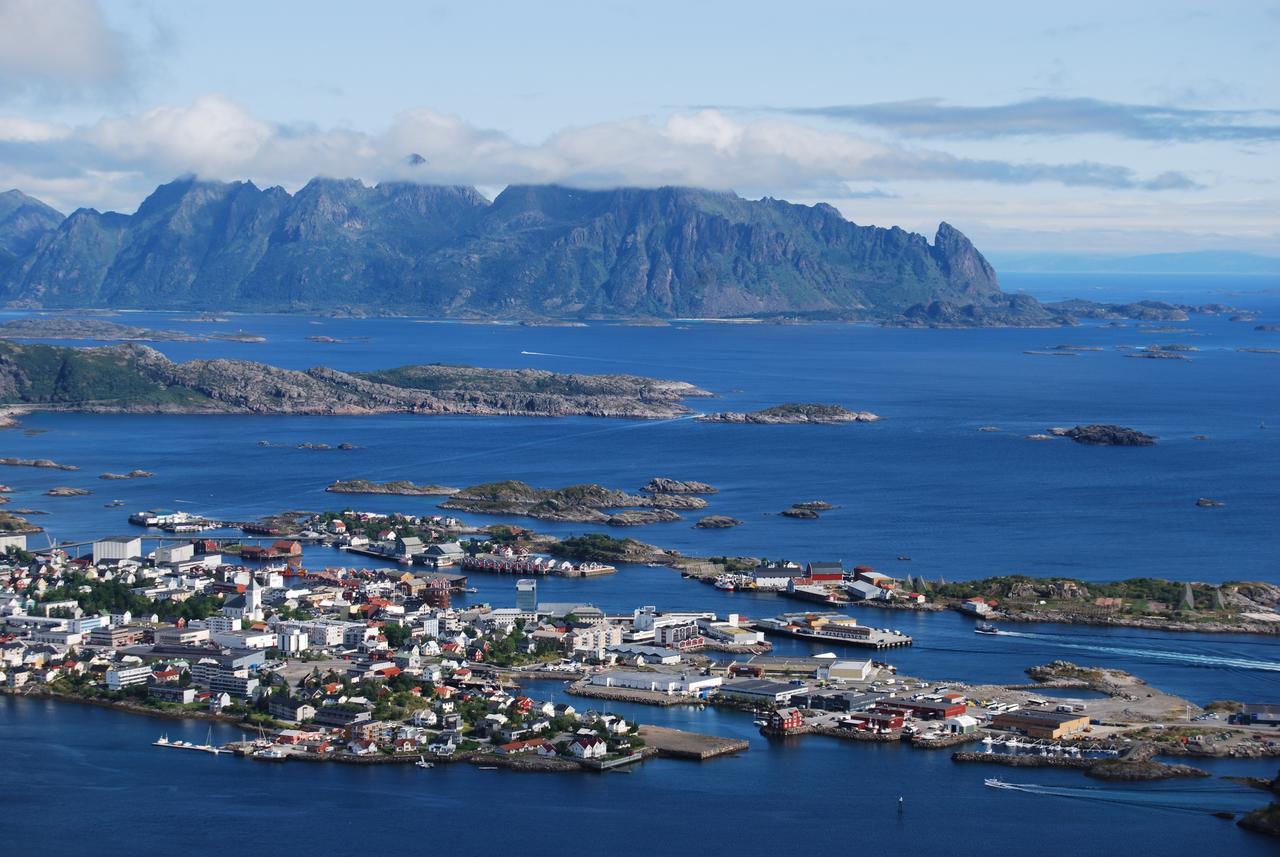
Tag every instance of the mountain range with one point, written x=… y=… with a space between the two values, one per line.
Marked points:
x=534 y=252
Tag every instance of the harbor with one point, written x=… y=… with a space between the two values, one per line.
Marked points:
x=833 y=628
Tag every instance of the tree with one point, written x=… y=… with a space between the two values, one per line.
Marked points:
x=396 y=634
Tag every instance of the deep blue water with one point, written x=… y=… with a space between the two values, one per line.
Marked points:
x=837 y=797
x=923 y=482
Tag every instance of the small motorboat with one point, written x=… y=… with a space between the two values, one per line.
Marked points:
x=423 y=763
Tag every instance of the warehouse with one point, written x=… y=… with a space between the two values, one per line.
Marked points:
x=1041 y=724
x=760 y=690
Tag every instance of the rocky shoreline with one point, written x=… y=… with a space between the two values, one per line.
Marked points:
x=587 y=503
x=794 y=413
x=138 y=379
x=399 y=487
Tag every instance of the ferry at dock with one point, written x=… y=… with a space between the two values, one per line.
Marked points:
x=833 y=628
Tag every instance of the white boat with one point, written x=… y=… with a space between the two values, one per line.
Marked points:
x=724 y=581
x=996 y=783
x=423 y=763
x=206 y=747
x=271 y=754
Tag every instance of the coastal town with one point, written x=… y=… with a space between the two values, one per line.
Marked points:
x=379 y=665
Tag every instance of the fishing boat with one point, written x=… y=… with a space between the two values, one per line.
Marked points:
x=985 y=628
x=724 y=581
x=270 y=754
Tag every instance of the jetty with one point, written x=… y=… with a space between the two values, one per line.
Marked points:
x=833 y=628
x=677 y=744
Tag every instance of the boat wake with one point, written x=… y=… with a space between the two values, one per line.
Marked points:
x=1204 y=660
x=1188 y=799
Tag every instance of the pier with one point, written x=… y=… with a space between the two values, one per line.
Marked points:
x=677 y=744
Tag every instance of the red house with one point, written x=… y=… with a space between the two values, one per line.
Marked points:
x=786 y=719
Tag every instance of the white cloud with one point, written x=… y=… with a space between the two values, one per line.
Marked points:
x=116 y=161
x=59 y=47
x=15 y=129
x=215 y=137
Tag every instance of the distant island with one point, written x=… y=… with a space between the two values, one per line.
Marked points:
x=61 y=327
x=588 y=503
x=139 y=379
x=792 y=413
x=1106 y=435
x=401 y=487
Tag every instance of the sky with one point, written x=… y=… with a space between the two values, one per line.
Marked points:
x=1099 y=128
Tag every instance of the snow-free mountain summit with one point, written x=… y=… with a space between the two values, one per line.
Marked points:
x=533 y=252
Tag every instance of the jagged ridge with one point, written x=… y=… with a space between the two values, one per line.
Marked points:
x=535 y=251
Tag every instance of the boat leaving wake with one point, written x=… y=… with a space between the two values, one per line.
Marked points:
x=1188 y=799
x=1163 y=654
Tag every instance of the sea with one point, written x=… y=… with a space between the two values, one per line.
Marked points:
x=923 y=483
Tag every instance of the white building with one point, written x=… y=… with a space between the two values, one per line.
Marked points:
x=669 y=683
x=18 y=541
x=123 y=676
x=244 y=639
x=840 y=671
x=116 y=548
x=175 y=553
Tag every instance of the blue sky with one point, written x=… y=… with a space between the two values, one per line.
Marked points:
x=1105 y=127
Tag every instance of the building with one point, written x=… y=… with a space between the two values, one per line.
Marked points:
x=671 y=684
x=116 y=548
x=244 y=639
x=115 y=637
x=122 y=676
x=824 y=572
x=527 y=595
x=593 y=640
x=1041 y=724
x=15 y=541
x=841 y=671
x=775 y=576
x=1261 y=713
x=341 y=716
x=445 y=554
x=291 y=710
x=181 y=636
x=760 y=690
x=925 y=709
x=588 y=747
x=681 y=636
x=166 y=554
x=409 y=547
x=172 y=693
x=786 y=720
